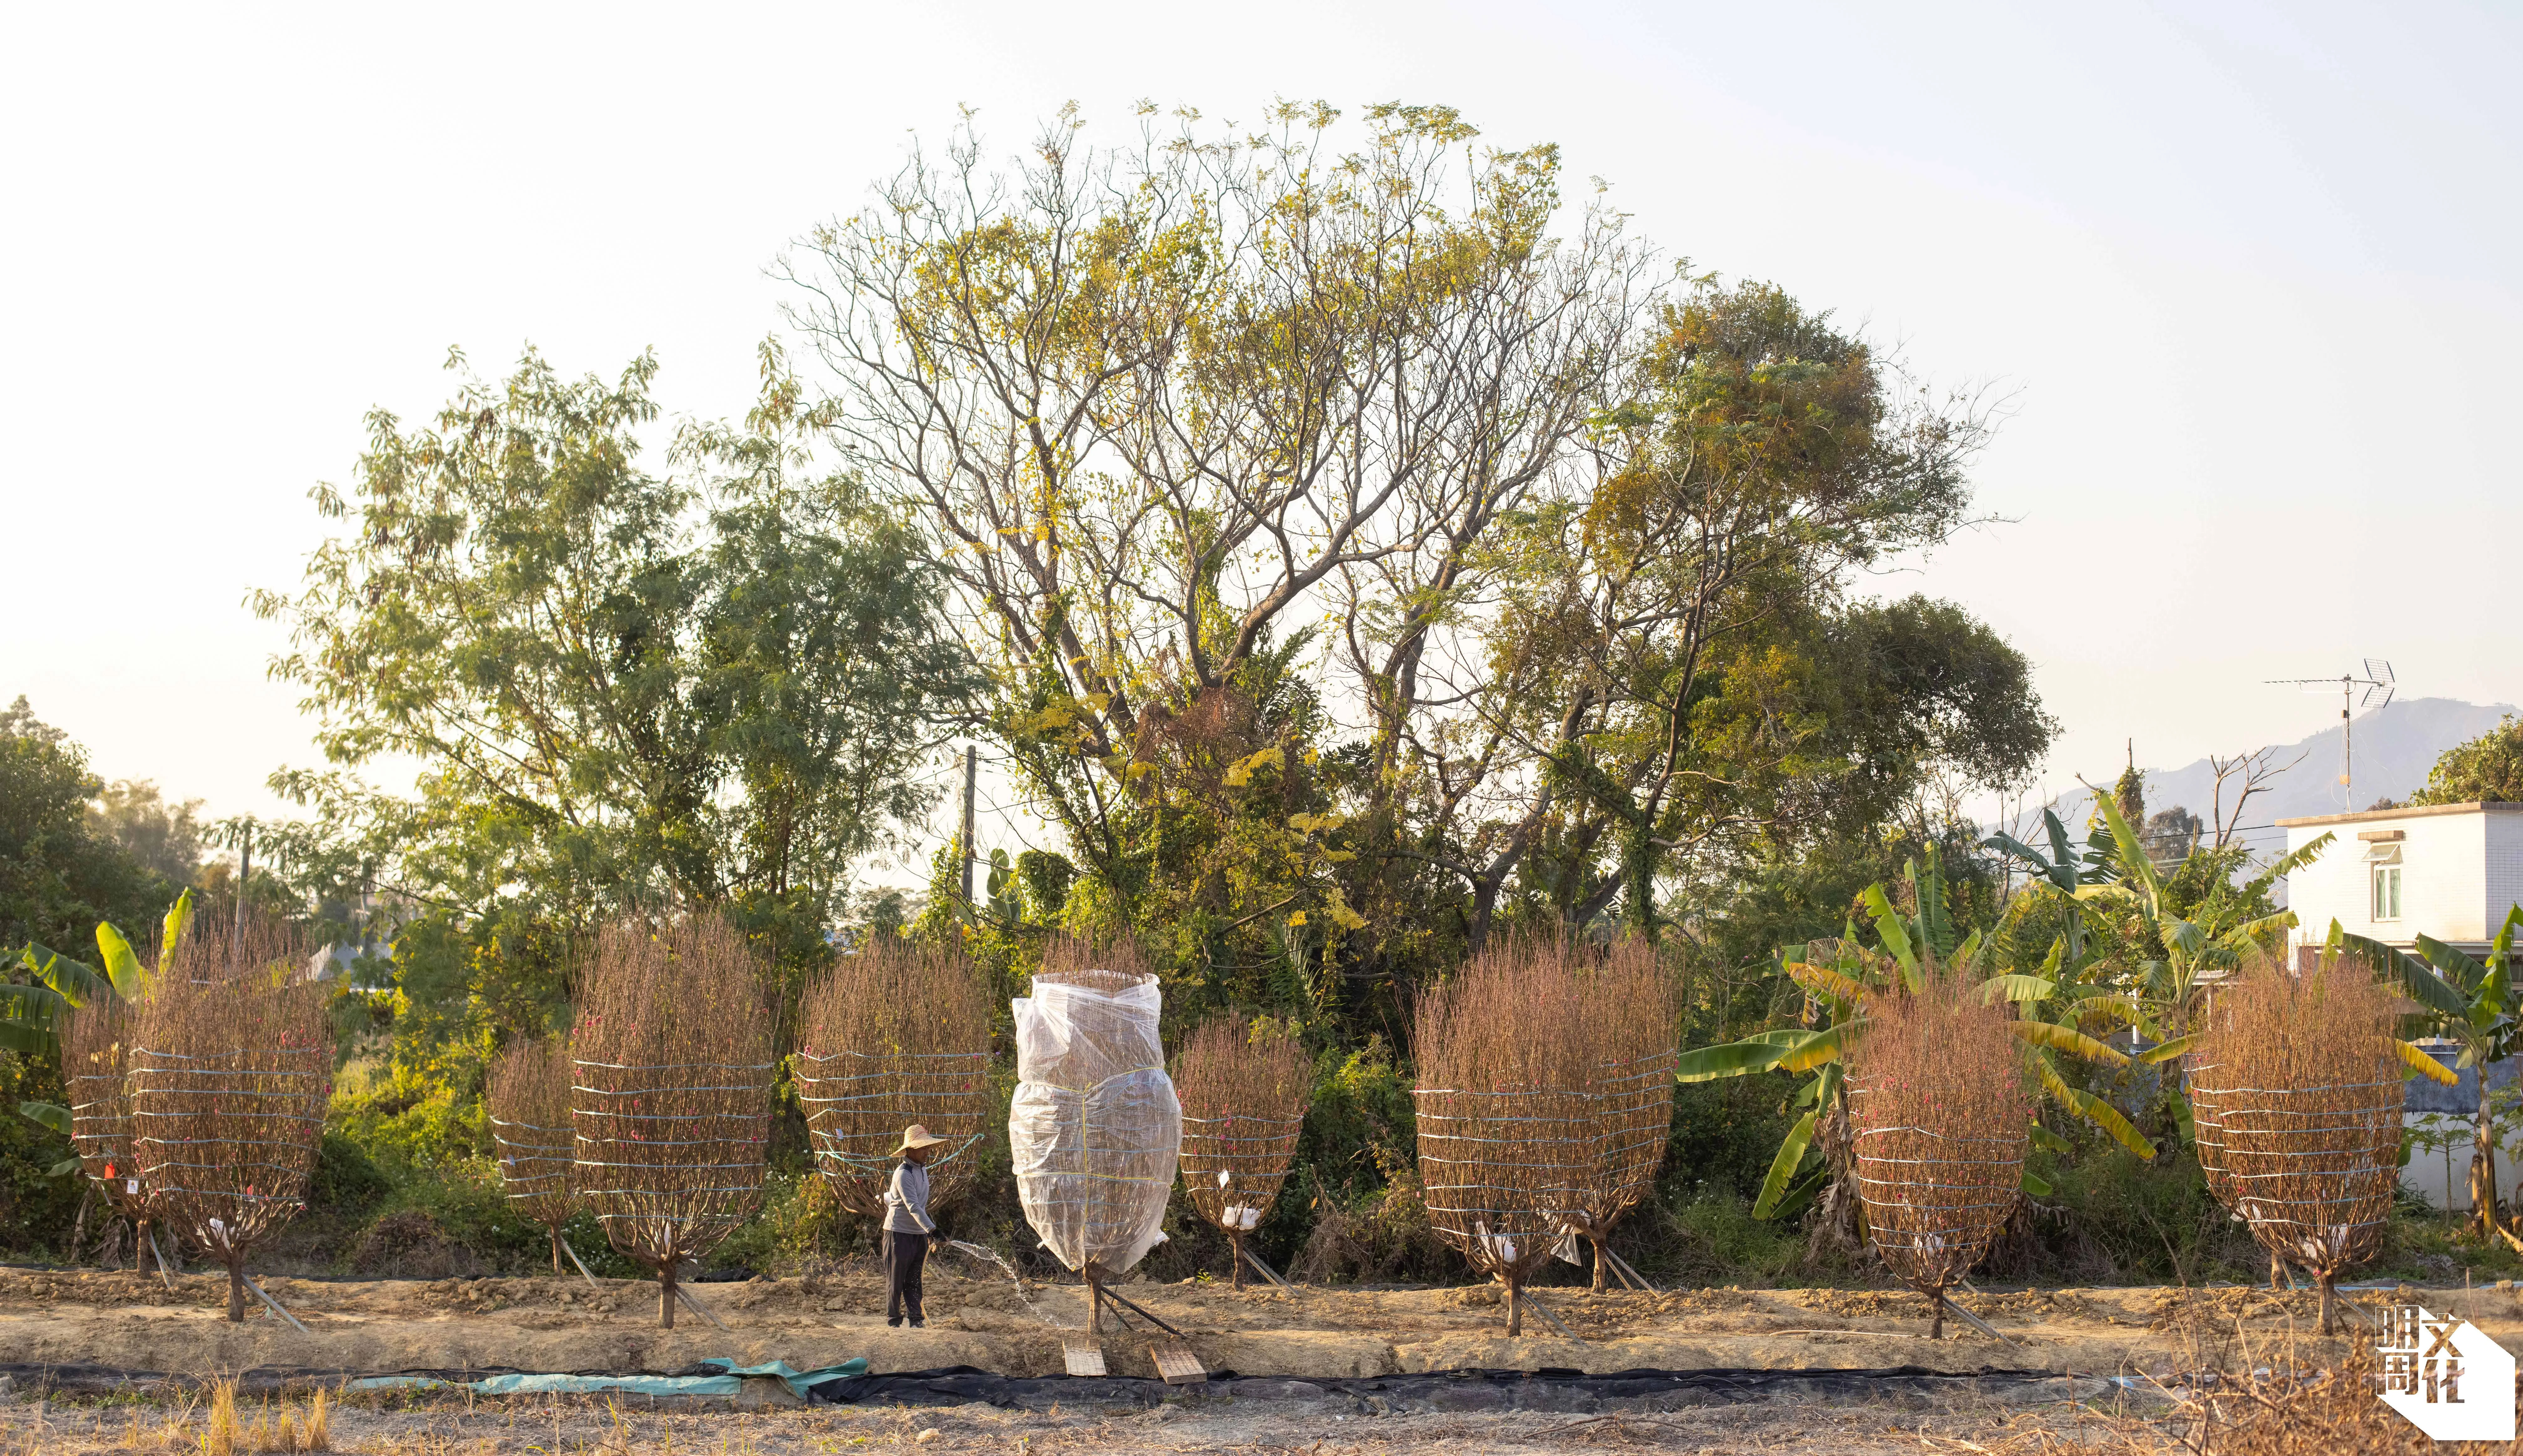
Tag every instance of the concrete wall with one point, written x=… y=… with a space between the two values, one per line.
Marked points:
x=2455 y=868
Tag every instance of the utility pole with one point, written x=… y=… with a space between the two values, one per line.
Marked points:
x=972 y=762
x=245 y=871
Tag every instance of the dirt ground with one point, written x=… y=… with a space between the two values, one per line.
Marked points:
x=2141 y=1335
x=548 y=1428
x=124 y=1320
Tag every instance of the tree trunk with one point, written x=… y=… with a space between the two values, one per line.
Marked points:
x=1602 y=1267
x=140 y=1248
x=555 y=1243
x=2482 y=1164
x=2329 y=1304
x=1514 y=1308
x=2277 y=1274
x=1236 y=1238
x=666 y=1295
x=1936 y=1327
x=236 y=1292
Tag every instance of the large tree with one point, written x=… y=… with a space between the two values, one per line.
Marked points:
x=1364 y=541
x=624 y=690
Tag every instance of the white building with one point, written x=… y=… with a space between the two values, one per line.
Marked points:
x=2448 y=871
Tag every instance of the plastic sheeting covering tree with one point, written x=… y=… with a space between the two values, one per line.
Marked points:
x=96 y=1049
x=1245 y=1088
x=529 y=1097
x=671 y=1108
x=1940 y=1115
x=1510 y=1125
x=1095 y=1128
x=1636 y=1023
x=896 y=1034
x=2302 y=1081
x=230 y=1071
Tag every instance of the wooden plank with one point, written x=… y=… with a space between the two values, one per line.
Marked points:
x=1177 y=1364
x=1081 y=1356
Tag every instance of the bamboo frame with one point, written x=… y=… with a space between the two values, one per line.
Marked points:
x=1941 y=1122
x=96 y=1047
x=895 y=1035
x=1510 y=1125
x=230 y=1071
x=2305 y=1097
x=529 y=1107
x=670 y=1102
x=1245 y=1091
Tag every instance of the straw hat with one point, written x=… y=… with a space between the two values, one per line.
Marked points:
x=917 y=1136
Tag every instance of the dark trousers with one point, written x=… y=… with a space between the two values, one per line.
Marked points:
x=904 y=1254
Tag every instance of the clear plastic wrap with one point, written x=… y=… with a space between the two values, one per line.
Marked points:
x=1095 y=1129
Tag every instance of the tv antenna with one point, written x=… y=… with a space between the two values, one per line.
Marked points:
x=2372 y=690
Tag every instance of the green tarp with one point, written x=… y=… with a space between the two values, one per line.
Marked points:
x=730 y=1381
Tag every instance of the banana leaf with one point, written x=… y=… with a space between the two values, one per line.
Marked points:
x=1783 y=1168
x=2066 y=1038
x=1754 y=1054
x=2424 y=1065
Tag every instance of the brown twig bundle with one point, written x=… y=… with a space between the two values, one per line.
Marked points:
x=230 y=1070
x=671 y=1106
x=1510 y=1124
x=2304 y=1080
x=1245 y=1087
x=529 y=1097
x=1075 y=961
x=1634 y=1015
x=896 y=1034
x=96 y=1049
x=1941 y=1119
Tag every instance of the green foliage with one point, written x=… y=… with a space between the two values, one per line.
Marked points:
x=58 y=874
x=624 y=689
x=2487 y=769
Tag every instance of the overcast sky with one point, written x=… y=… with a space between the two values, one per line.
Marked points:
x=2247 y=273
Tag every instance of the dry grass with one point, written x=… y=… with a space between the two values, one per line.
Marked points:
x=1508 y=1126
x=2304 y=1093
x=230 y=1071
x=1940 y=1120
x=896 y=1034
x=672 y=1106
x=529 y=1097
x=1075 y=961
x=1245 y=1087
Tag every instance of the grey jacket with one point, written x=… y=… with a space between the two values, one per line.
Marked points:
x=906 y=1200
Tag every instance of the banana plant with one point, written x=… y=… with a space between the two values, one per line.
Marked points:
x=2470 y=1004
x=32 y=1013
x=1836 y=993
x=2066 y=873
x=2167 y=989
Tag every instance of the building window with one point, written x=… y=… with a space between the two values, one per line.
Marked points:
x=2387 y=892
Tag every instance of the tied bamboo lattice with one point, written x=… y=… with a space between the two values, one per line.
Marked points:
x=1941 y=1120
x=230 y=1071
x=1244 y=1089
x=1634 y=1018
x=96 y=1050
x=2303 y=1094
x=896 y=1034
x=671 y=1101
x=529 y=1097
x=1510 y=1125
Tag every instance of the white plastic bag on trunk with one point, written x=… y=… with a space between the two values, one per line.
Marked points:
x=1095 y=1128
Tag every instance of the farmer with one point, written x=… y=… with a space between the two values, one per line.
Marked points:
x=907 y=1226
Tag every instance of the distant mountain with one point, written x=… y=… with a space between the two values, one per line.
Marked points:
x=2397 y=747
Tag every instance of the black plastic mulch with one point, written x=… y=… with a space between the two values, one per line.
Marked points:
x=1544 y=1389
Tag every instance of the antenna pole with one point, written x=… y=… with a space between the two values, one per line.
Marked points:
x=2347 y=747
